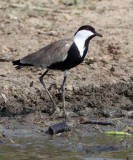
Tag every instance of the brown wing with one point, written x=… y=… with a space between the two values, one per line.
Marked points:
x=52 y=53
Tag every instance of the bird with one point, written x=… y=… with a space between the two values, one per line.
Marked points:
x=61 y=55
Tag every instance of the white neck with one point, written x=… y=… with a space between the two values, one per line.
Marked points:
x=80 y=38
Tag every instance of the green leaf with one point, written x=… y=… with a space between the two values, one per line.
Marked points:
x=117 y=133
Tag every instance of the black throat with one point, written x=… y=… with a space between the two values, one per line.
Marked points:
x=86 y=45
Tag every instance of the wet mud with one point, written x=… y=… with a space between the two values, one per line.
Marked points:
x=108 y=101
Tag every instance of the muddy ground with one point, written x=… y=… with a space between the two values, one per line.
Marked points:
x=101 y=87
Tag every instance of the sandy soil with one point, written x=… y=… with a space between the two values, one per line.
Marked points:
x=102 y=86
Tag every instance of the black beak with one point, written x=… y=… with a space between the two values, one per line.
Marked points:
x=97 y=34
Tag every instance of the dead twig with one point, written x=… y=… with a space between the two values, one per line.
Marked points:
x=14 y=5
x=49 y=11
x=99 y=123
x=5 y=138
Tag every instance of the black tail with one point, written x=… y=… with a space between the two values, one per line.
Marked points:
x=17 y=64
x=20 y=65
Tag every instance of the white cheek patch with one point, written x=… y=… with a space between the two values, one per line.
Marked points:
x=80 y=38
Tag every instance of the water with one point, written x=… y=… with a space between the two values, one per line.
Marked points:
x=68 y=146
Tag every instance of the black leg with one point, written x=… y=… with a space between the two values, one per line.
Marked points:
x=42 y=82
x=63 y=90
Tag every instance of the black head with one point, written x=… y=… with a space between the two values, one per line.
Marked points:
x=89 y=28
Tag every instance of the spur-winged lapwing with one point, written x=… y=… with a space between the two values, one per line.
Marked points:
x=60 y=55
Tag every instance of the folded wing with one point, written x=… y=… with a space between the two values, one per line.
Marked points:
x=52 y=53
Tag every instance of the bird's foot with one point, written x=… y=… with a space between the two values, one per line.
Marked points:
x=65 y=114
x=60 y=114
x=56 y=113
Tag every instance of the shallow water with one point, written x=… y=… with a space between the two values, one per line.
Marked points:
x=68 y=146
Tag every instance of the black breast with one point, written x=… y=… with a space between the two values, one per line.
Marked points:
x=72 y=60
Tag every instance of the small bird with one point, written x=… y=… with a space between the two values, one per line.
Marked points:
x=60 y=55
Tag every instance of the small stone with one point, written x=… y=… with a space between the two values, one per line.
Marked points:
x=92 y=7
x=130 y=114
x=83 y=119
x=69 y=87
x=31 y=84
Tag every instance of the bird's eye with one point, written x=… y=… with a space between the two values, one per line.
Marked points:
x=86 y=28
